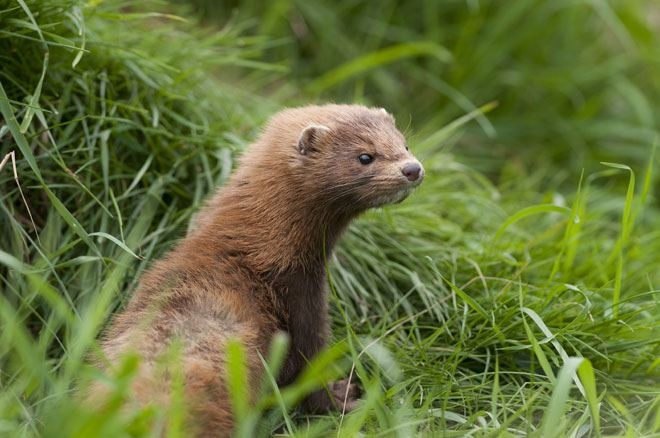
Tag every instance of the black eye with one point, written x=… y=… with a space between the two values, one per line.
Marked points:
x=407 y=148
x=365 y=159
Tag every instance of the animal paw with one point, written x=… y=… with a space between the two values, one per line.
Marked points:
x=345 y=395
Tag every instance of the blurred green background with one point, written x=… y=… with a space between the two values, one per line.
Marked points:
x=575 y=81
x=521 y=265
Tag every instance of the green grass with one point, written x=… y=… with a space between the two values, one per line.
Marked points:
x=513 y=294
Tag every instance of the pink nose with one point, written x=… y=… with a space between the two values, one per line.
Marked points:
x=412 y=171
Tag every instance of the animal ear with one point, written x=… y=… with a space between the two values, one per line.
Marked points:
x=311 y=137
x=387 y=115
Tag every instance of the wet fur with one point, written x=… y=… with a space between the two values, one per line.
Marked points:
x=252 y=263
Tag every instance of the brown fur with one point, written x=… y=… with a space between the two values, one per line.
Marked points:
x=253 y=262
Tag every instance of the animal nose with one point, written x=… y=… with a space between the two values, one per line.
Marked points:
x=411 y=171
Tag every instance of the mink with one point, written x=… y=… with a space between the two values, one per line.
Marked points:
x=254 y=260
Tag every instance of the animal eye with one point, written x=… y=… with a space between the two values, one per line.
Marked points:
x=365 y=159
x=407 y=148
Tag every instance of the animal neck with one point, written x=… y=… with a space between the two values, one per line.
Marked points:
x=277 y=229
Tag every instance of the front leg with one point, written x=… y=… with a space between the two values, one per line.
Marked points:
x=303 y=349
x=306 y=322
x=341 y=395
x=305 y=319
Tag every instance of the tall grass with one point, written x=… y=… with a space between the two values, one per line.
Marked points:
x=477 y=322
x=118 y=134
x=524 y=304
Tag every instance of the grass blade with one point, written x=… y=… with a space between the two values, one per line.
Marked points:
x=370 y=61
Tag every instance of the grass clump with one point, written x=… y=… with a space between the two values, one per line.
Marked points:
x=482 y=327
x=523 y=304
x=117 y=134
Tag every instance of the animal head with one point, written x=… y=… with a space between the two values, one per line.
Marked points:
x=350 y=156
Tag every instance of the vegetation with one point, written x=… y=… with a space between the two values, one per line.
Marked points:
x=515 y=293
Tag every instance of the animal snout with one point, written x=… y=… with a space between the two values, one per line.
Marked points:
x=412 y=171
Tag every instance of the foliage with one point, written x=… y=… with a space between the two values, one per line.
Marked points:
x=521 y=304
